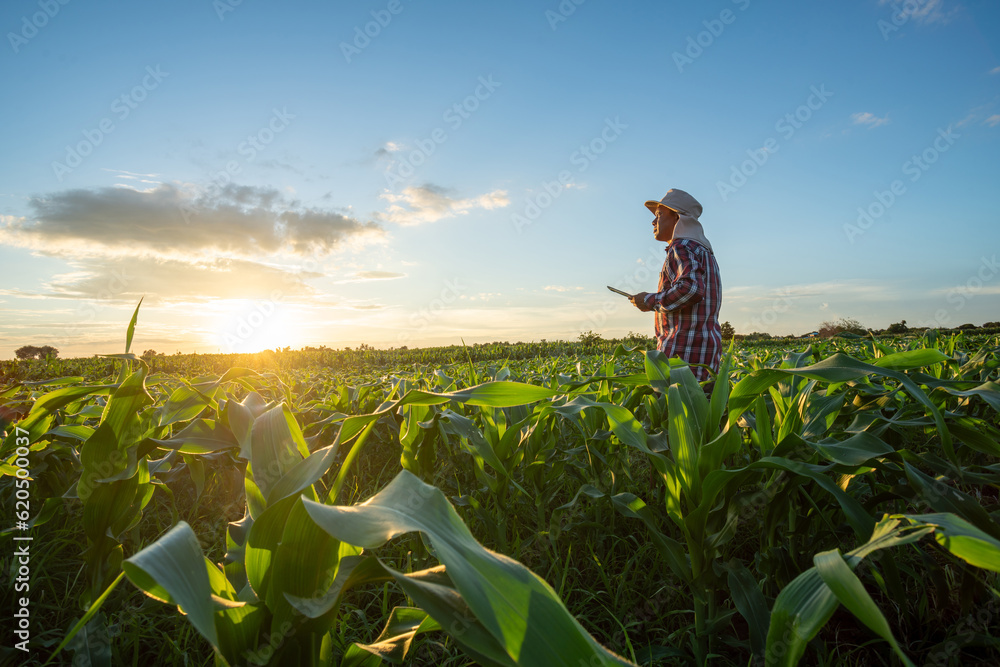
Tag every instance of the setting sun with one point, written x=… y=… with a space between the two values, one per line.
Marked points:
x=245 y=325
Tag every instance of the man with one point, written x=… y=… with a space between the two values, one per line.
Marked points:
x=689 y=294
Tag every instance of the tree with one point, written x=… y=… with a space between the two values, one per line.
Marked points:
x=898 y=328
x=33 y=352
x=828 y=329
x=589 y=338
x=633 y=338
x=728 y=331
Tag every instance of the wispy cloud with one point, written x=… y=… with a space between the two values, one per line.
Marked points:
x=869 y=119
x=993 y=120
x=430 y=203
x=387 y=149
x=378 y=275
x=995 y=70
x=985 y=290
x=126 y=279
x=924 y=11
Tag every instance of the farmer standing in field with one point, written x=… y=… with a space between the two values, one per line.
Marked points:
x=689 y=294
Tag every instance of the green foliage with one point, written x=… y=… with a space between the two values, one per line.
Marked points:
x=590 y=338
x=898 y=328
x=843 y=325
x=33 y=352
x=509 y=508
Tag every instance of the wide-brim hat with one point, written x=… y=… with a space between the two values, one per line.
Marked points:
x=679 y=201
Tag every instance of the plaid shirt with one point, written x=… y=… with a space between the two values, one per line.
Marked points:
x=687 y=304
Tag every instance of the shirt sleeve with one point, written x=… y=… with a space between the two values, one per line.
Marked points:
x=688 y=286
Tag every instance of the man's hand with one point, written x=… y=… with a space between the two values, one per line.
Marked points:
x=639 y=301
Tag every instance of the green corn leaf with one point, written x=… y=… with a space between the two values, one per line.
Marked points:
x=962 y=539
x=354 y=570
x=657 y=370
x=751 y=604
x=303 y=474
x=435 y=594
x=856 y=450
x=465 y=428
x=804 y=606
x=988 y=391
x=837 y=368
x=910 y=359
x=393 y=644
x=202 y=436
x=39 y=418
x=172 y=570
x=184 y=404
x=846 y=586
x=672 y=551
x=94 y=608
x=518 y=608
x=946 y=498
x=262 y=543
x=305 y=561
x=104 y=453
x=131 y=327
x=276 y=446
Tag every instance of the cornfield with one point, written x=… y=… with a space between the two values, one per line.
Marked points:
x=835 y=503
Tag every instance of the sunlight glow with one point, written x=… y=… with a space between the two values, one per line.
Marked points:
x=245 y=325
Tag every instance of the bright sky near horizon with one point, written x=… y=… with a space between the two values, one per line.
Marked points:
x=408 y=172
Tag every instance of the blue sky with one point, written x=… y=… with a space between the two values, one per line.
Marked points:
x=409 y=172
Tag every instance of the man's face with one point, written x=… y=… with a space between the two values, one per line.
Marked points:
x=664 y=223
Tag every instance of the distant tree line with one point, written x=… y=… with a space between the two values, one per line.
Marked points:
x=848 y=327
x=33 y=352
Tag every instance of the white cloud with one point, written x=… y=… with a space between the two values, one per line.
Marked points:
x=869 y=119
x=125 y=280
x=430 y=203
x=375 y=275
x=995 y=70
x=993 y=120
x=168 y=222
